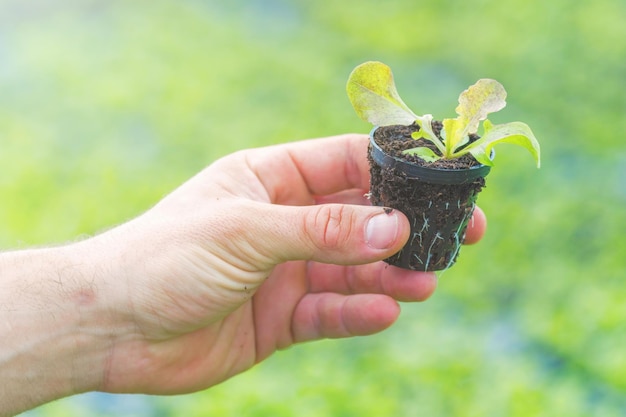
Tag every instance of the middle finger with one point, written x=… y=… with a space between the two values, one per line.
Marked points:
x=375 y=278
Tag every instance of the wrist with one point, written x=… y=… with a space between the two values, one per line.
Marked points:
x=59 y=326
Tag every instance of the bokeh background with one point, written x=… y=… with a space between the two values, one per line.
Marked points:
x=107 y=105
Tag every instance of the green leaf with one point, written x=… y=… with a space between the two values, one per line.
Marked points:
x=426 y=132
x=453 y=134
x=373 y=95
x=484 y=97
x=426 y=154
x=517 y=133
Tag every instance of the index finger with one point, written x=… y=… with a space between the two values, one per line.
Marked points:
x=295 y=173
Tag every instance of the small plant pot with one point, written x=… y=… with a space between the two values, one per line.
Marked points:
x=439 y=202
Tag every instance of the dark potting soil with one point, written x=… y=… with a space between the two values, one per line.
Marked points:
x=439 y=213
x=396 y=139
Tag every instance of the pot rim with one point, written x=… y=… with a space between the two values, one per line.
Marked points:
x=426 y=174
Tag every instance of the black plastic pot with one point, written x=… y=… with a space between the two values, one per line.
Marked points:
x=438 y=202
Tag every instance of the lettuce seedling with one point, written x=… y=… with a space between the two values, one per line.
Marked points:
x=373 y=95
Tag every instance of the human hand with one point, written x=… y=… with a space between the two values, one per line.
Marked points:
x=263 y=249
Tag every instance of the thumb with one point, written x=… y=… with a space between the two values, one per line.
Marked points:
x=334 y=233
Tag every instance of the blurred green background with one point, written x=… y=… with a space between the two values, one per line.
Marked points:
x=105 y=106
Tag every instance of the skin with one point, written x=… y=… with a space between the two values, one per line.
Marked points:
x=263 y=249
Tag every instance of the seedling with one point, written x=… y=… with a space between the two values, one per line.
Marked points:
x=373 y=95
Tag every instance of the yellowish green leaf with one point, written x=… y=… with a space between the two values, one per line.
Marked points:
x=517 y=133
x=484 y=97
x=372 y=92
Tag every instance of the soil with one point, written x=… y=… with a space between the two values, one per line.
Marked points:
x=395 y=139
x=439 y=213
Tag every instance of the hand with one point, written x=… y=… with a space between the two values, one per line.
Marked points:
x=263 y=249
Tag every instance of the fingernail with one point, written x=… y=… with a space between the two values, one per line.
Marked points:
x=382 y=230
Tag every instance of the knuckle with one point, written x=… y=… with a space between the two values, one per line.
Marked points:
x=331 y=226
